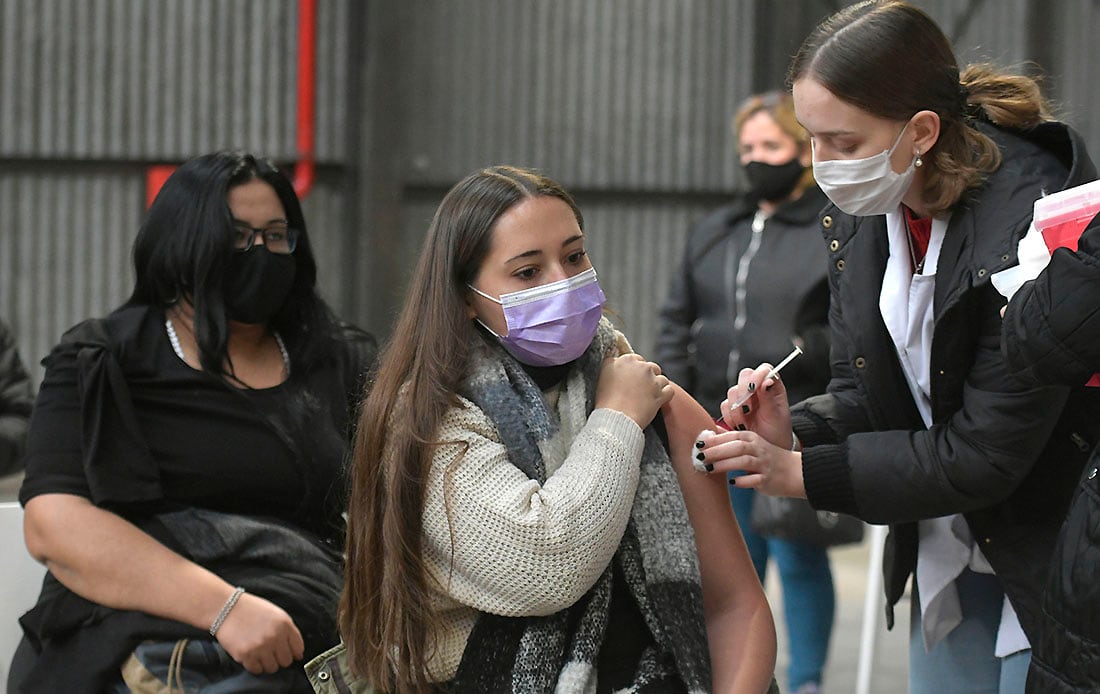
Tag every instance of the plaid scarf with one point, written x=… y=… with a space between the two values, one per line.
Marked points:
x=656 y=556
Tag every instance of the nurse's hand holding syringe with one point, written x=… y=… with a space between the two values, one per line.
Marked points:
x=756 y=439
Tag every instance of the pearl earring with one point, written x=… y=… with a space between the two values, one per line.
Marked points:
x=918 y=162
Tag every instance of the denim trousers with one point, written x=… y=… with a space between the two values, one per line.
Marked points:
x=964 y=660
x=808 y=596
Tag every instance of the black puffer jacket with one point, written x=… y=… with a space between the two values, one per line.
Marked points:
x=1004 y=453
x=1052 y=335
x=16 y=399
x=708 y=333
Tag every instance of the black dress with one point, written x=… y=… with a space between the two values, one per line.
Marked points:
x=122 y=421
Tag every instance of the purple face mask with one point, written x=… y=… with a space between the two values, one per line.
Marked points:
x=552 y=324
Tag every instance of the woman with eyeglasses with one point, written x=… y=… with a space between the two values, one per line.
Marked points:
x=185 y=481
x=933 y=173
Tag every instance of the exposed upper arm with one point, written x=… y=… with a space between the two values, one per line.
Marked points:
x=50 y=518
x=740 y=629
x=722 y=555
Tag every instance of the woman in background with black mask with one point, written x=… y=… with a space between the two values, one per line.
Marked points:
x=185 y=477
x=751 y=283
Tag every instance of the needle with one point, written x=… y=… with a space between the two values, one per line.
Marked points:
x=771 y=374
x=720 y=422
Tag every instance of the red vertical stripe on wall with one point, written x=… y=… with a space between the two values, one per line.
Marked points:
x=155 y=176
x=307 y=69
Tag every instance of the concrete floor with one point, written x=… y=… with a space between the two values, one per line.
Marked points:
x=889 y=671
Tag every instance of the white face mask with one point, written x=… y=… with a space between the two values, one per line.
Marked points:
x=864 y=187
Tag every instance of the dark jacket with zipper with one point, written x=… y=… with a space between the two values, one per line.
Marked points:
x=741 y=297
x=1003 y=452
x=1052 y=335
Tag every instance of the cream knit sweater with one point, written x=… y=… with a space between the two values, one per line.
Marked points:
x=498 y=542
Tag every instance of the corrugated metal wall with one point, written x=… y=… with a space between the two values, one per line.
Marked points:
x=161 y=81
x=1055 y=41
x=984 y=30
x=1075 y=48
x=635 y=245
x=325 y=212
x=626 y=101
x=92 y=90
x=65 y=235
x=618 y=94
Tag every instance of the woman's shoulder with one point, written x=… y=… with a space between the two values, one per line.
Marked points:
x=463 y=420
x=1048 y=158
x=358 y=347
x=805 y=210
x=121 y=332
x=354 y=336
x=1034 y=163
x=340 y=351
x=719 y=220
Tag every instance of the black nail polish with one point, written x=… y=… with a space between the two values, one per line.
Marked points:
x=700 y=444
x=768 y=387
x=752 y=386
x=745 y=409
x=742 y=427
x=700 y=456
x=733 y=481
x=709 y=467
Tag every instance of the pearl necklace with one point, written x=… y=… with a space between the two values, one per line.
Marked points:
x=174 y=340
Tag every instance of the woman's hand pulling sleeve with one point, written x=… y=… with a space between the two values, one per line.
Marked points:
x=501 y=542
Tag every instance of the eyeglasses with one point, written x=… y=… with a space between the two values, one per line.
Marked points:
x=281 y=240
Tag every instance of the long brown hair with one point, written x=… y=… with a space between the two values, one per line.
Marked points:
x=384 y=616
x=891 y=60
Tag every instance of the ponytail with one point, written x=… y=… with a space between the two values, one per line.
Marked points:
x=1008 y=101
x=963 y=155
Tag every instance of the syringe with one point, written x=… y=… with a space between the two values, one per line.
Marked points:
x=771 y=374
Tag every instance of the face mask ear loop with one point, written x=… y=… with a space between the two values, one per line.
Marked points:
x=481 y=322
x=478 y=291
x=897 y=141
x=491 y=332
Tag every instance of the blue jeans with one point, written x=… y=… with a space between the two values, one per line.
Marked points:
x=963 y=661
x=808 y=596
x=205 y=667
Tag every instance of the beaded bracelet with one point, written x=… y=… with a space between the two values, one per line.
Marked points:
x=225 y=610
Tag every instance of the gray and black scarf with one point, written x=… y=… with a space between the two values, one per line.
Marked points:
x=656 y=557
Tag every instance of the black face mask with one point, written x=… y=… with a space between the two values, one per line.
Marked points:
x=257 y=284
x=773 y=182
